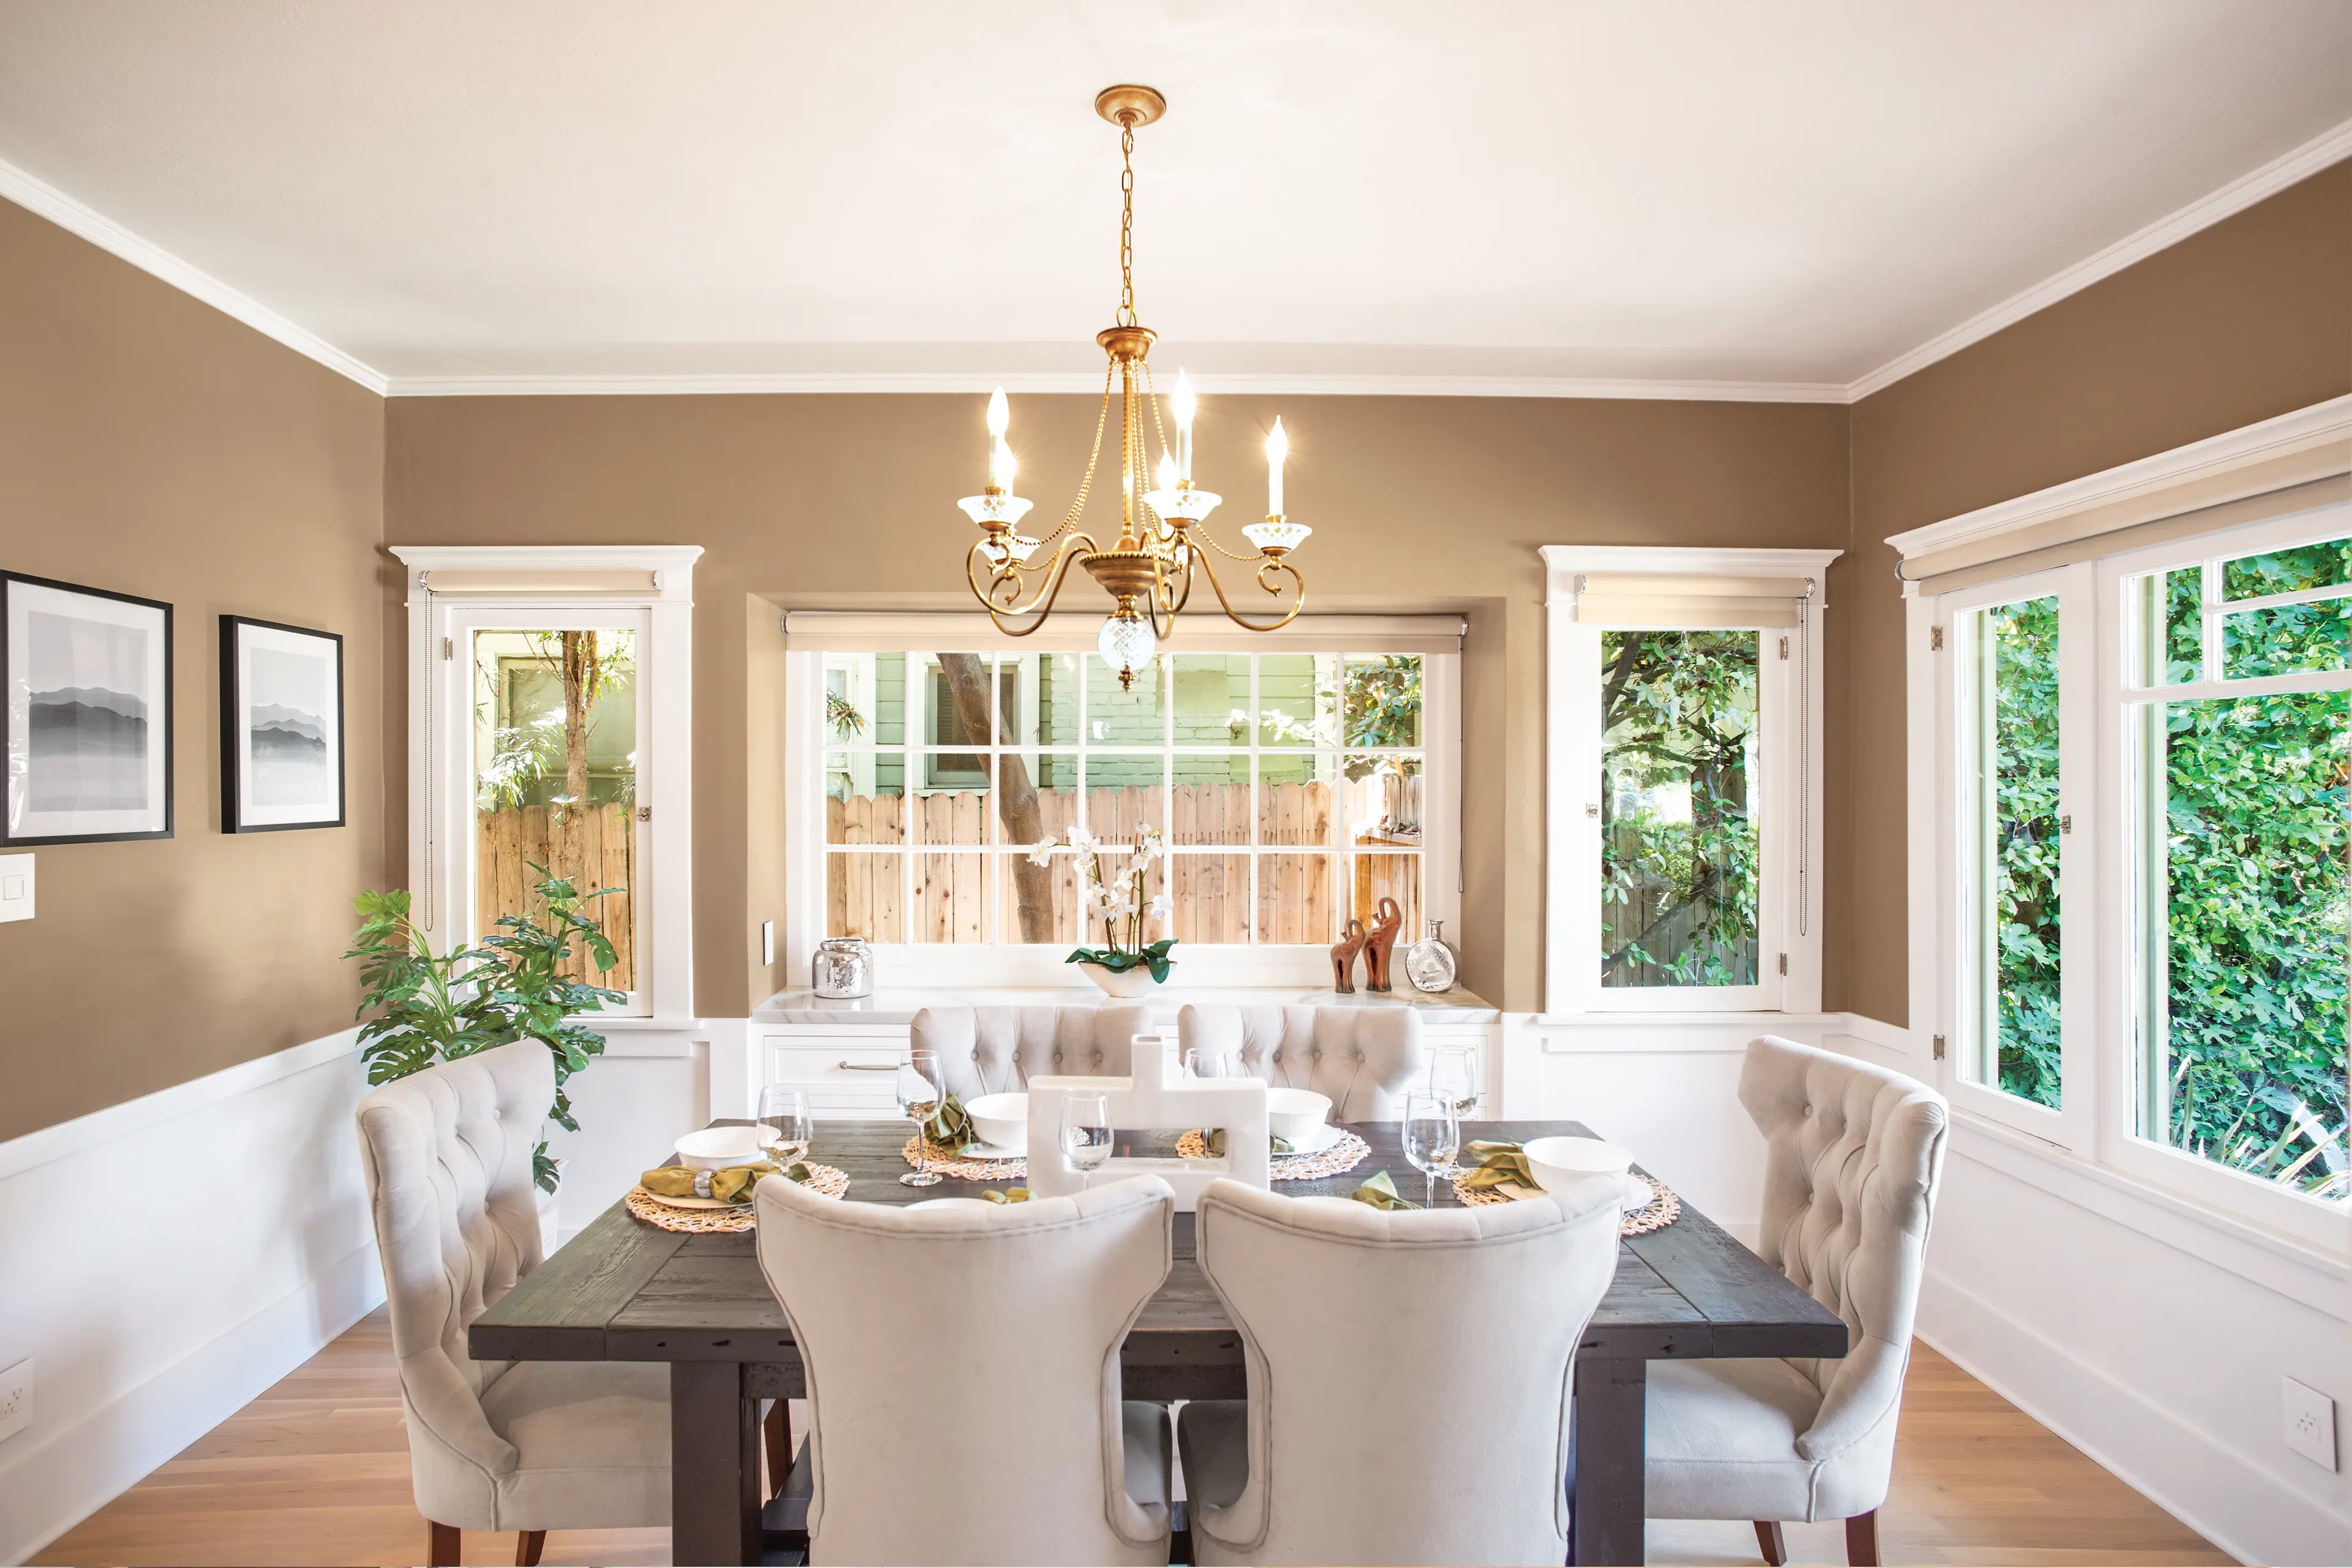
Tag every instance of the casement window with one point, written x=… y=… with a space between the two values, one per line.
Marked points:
x=549 y=698
x=2131 y=902
x=1299 y=779
x=1684 y=741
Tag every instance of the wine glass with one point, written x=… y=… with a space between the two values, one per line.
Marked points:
x=1085 y=1130
x=1206 y=1061
x=1431 y=1135
x=920 y=1094
x=784 y=1123
x=1453 y=1077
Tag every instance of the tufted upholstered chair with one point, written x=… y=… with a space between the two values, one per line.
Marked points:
x=997 y=1050
x=963 y=1378
x=1383 y=1424
x=1361 y=1058
x=1851 y=1156
x=527 y=1445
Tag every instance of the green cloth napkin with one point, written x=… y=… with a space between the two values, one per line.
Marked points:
x=951 y=1125
x=1009 y=1195
x=1215 y=1140
x=730 y=1185
x=1381 y=1194
x=1498 y=1164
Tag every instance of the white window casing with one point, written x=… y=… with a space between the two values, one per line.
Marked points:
x=453 y=592
x=2263 y=489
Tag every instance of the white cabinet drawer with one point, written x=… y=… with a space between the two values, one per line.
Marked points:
x=843 y=1077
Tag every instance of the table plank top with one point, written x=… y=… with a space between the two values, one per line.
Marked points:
x=625 y=1290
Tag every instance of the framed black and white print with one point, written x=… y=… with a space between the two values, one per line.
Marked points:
x=281 y=726
x=86 y=676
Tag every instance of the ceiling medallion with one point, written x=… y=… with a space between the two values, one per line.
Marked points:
x=1162 y=537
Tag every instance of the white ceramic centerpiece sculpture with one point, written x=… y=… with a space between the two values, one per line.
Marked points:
x=1155 y=1096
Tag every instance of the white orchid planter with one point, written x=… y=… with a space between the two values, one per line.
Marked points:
x=1126 y=965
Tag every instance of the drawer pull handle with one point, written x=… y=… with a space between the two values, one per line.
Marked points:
x=868 y=1066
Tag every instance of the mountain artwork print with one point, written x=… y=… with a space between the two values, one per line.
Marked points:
x=281 y=730
x=88 y=678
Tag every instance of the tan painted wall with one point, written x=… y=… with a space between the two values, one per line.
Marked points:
x=2248 y=320
x=1434 y=503
x=151 y=446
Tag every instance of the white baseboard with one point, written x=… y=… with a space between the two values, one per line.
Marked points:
x=51 y=1489
x=2209 y=1487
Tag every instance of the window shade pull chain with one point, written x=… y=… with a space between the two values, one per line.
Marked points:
x=425 y=585
x=1805 y=755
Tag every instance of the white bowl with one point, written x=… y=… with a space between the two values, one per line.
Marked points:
x=1564 y=1165
x=1294 y=1114
x=1002 y=1119
x=716 y=1148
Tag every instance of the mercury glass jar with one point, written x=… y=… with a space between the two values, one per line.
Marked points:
x=844 y=967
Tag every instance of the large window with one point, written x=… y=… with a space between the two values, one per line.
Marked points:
x=1293 y=790
x=1684 y=792
x=2141 y=901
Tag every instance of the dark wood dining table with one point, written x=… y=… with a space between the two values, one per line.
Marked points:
x=623 y=1289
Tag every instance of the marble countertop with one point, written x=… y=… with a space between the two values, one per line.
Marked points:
x=898 y=1005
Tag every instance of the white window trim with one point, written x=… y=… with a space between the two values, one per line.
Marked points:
x=1790 y=701
x=1021 y=964
x=440 y=705
x=2099 y=1123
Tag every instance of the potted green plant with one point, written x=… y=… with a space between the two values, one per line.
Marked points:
x=1126 y=965
x=433 y=1007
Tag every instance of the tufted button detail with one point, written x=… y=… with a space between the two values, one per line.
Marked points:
x=1808 y=1109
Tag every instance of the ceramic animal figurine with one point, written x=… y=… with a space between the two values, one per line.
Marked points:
x=1380 y=944
x=1343 y=958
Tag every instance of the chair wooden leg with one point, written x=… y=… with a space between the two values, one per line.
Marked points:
x=1861 y=1540
x=441 y=1545
x=1770 y=1542
x=778 y=1431
x=529 y=1544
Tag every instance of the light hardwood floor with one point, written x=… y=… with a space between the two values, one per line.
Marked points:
x=316 y=1471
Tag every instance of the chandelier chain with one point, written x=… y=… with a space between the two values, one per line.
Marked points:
x=1078 y=506
x=1125 y=316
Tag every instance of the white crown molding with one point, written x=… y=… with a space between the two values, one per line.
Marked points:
x=2300 y=430
x=1089 y=383
x=45 y=200
x=2319 y=152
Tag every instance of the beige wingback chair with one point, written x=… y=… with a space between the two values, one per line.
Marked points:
x=997 y=1050
x=1851 y=1156
x=963 y=1377
x=527 y=1445
x=1361 y=1058
x=1409 y=1378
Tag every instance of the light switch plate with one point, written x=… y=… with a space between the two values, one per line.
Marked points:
x=16 y=1399
x=767 y=941
x=2307 y=1422
x=16 y=886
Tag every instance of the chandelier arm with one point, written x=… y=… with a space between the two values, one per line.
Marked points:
x=1186 y=598
x=1041 y=604
x=1244 y=621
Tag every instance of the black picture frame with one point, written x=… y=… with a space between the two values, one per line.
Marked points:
x=291 y=729
x=20 y=819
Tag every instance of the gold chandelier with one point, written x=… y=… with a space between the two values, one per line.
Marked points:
x=1163 y=534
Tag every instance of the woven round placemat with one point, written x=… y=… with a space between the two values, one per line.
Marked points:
x=946 y=1162
x=1662 y=1209
x=1343 y=1155
x=825 y=1181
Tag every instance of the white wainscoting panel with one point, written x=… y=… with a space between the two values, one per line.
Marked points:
x=239 y=1244
x=652 y=1085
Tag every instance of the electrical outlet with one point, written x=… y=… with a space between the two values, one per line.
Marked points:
x=16 y=1399
x=2307 y=1419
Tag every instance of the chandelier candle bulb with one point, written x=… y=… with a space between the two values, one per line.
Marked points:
x=1277 y=447
x=1182 y=404
x=1001 y=466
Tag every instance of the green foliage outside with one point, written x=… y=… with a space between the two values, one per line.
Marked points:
x=1679 y=896
x=531 y=755
x=1377 y=703
x=2254 y=896
x=431 y=1008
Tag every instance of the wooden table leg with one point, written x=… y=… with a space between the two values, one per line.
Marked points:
x=714 y=1465
x=1607 y=1436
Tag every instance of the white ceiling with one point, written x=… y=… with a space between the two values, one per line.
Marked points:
x=1794 y=192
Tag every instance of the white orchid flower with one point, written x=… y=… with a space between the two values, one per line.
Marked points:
x=1081 y=839
x=1044 y=853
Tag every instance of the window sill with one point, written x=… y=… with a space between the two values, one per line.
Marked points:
x=898 y=1005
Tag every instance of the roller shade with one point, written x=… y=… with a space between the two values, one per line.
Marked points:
x=1073 y=629
x=447 y=584
x=2293 y=463
x=621 y=572
x=1648 y=599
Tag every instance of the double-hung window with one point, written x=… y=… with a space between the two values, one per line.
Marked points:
x=2132 y=910
x=1297 y=780
x=1684 y=694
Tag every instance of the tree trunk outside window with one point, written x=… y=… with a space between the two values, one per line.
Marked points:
x=967 y=678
